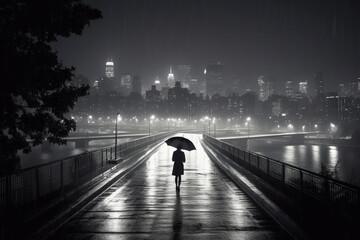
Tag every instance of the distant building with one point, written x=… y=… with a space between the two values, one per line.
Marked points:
x=194 y=85
x=267 y=87
x=318 y=84
x=332 y=107
x=157 y=83
x=125 y=84
x=214 y=79
x=178 y=100
x=136 y=84
x=152 y=100
x=303 y=87
x=289 y=89
x=171 y=79
x=109 y=69
x=351 y=89
x=184 y=75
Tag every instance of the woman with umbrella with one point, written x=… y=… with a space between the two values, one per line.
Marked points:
x=178 y=169
x=179 y=156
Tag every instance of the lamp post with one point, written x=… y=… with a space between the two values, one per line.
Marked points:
x=208 y=119
x=214 y=122
x=248 y=122
x=150 y=119
x=118 y=117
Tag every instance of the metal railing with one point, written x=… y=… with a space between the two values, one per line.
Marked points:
x=285 y=176
x=33 y=185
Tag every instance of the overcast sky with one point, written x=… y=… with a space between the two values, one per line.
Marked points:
x=287 y=40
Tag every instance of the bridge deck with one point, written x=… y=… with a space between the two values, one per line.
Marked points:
x=145 y=205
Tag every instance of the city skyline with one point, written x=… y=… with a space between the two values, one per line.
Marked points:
x=286 y=41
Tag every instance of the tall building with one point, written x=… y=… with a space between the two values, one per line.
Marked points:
x=157 y=83
x=214 y=79
x=125 y=84
x=152 y=100
x=267 y=87
x=109 y=69
x=171 y=79
x=289 y=89
x=303 y=87
x=136 y=84
x=184 y=75
x=318 y=84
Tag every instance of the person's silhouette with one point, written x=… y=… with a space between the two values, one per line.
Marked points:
x=178 y=169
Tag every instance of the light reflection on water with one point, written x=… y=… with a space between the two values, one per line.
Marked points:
x=312 y=156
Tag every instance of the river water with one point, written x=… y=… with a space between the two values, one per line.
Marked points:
x=38 y=155
x=310 y=156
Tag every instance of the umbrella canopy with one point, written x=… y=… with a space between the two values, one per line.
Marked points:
x=180 y=142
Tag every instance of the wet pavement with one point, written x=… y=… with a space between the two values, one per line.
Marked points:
x=146 y=205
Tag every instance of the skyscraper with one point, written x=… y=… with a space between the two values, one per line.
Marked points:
x=214 y=79
x=171 y=79
x=136 y=84
x=184 y=75
x=109 y=69
x=157 y=84
x=263 y=92
x=289 y=89
x=303 y=87
x=267 y=87
x=126 y=84
x=318 y=84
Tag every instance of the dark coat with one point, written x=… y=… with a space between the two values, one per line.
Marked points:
x=178 y=159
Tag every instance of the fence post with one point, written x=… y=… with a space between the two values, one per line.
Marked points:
x=249 y=160
x=267 y=166
x=258 y=159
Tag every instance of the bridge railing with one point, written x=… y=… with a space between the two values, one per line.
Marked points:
x=292 y=179
x=32 y=186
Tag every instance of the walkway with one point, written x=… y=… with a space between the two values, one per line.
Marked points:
x=145 y=205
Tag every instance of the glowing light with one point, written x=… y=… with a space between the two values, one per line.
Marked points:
x=109 y=64
x=248 y=119
x=152 y=117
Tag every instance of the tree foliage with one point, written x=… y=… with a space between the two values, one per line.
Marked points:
x=36 y=91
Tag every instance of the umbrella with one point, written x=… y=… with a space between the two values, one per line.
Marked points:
x=180 y=142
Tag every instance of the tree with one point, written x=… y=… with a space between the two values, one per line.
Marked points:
x=36 y=93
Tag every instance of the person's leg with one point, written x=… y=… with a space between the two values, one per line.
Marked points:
x=176 y=180
x=179 y=180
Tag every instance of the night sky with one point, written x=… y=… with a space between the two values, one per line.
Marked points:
x=287 y=40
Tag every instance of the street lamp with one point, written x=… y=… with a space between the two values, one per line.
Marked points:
x=118 y=117
x=208 y=119
x=214 y=122
x=248 y=121
x=152 y=117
